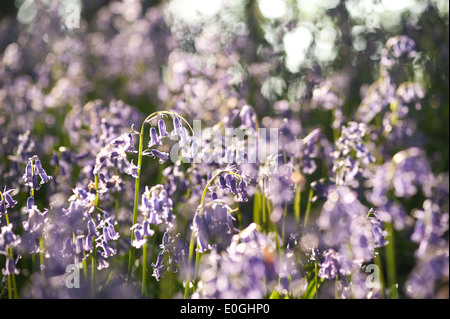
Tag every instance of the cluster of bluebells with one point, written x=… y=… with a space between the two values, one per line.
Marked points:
x=231 y=184
x=240 y=271
x=350 y=226
x=85 y=231
x=347 y=167
x=156 y=209
x=307 y=219
x=9 y=242
x=213 y=226
x=32 y=171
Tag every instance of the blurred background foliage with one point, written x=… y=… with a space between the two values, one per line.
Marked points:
x=305 y=40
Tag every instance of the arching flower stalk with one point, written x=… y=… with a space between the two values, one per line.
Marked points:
x=199 y=217
x=155 y=139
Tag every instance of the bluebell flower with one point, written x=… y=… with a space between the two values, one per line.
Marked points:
x=229 y=183
x=10 y=202
x=42 y=174
x=68 y=248
x=162 y=129
x=79 y=244
x=139 y=239
x=35 y=222
x=335 y=265
x=8 y=239
x=430 y=227
x=411 y=170
x=28 y=176
x=10 y=268
x=320 y=190
x=102 y=263
x=176 y=249
x=157 y=206
x=162 y=156
x=92 y=231
x=30 y=202
x=309 y=152
x=88 y=245
x=34 y=182
x=279 y=186
x=132 y=170
x=395 y=48
x=32 y=170
x=114 y=155
x=379 y=233
x=146 y=230
x=177 y=126
x=248 y=117
x=158 y=266
x=180 y=131
x=223 y=183
x=154 y=139
x=107 y=251
x=346 y=224
x=141 y=233
x=106 y=234
x=346 y=168
x=2 y=208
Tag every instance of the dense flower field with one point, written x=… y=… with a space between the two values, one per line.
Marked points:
x=145 y=156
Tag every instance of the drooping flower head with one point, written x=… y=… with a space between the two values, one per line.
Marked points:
x=32 y=171
x=213 y=225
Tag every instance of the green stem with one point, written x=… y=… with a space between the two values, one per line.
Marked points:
x=198 y=256
x=264 y=218
x=16 y=296
x=191 y=254
x=171 y=285
x=239 y=216
x=136 y=187
x=297 y=202
x=283 y=226
x=92 y=276
x=144 y=270
x=85 y=267
x=336 y=286
x=257 y=208
x=391 y=263
x=96 y=190
x=9 y=288
x=377 y=260
x=42 y=259
x=136 y=199
x=316 y=278
x=33 y=262
x=308 y=207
